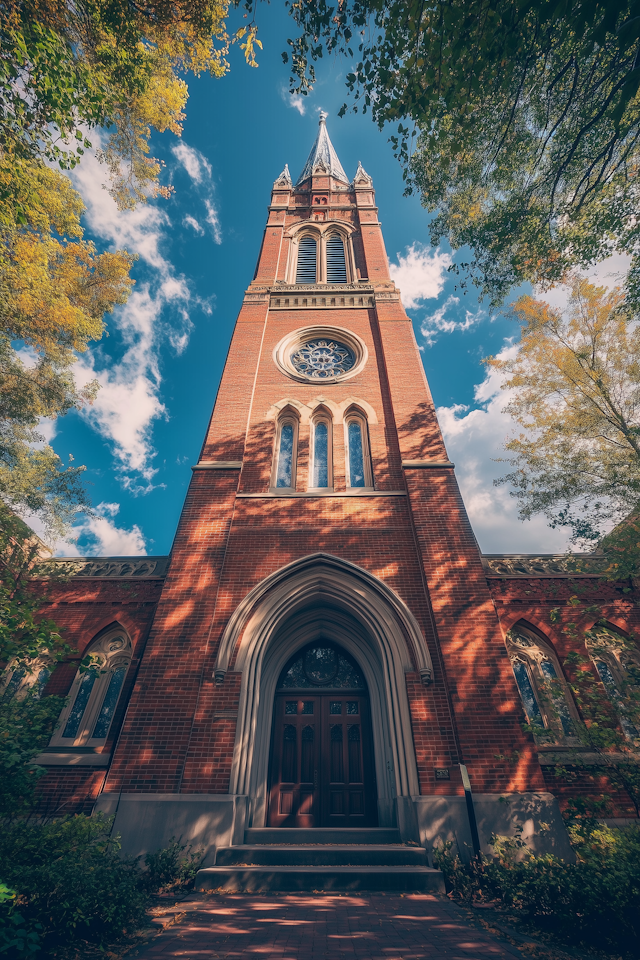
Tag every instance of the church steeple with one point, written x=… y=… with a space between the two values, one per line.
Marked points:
x=323 y=157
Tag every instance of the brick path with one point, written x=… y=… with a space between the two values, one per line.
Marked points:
x=320 y=927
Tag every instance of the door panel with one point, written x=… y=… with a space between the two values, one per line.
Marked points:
x=321 y=762
x=348 y=795
x=294 y=763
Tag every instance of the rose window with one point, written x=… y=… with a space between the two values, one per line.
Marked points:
x=322 y=359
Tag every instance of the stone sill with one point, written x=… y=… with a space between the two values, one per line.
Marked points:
x=360 y=492
x=73 y=759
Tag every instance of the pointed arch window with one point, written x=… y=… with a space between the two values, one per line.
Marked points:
x=545 y=696
x=336 y=261
x=286 y=450
x=359 y=473
x=618 y=664
x=321 y=453
x=307 y=265
x=21 y=677
x=95 y=692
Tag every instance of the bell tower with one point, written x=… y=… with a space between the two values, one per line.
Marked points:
x=325 y=582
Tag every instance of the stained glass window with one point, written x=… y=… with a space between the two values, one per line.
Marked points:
x=322 y=359
x=26 y=677
x=321 y=665
x=610 y=685
x=550 y=675
x=95 y=693
x=321 y=454
x=545 y=695
x=284 y=475
x=17 y=677
x=80 y=704
x=525 y=687
x=107 y=710
x=356 y=454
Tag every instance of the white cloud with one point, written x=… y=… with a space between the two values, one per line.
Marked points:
x=196 y=165
x=47 y=429
x=199 y=169
x=128 y=402
x=189 y=221
x=474 y=439
x=213 y=220
x=436 y=323
x=420 y=274
x=98 y=536
x=294 y=100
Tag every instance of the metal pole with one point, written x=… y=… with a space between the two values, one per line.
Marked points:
x=473 y=824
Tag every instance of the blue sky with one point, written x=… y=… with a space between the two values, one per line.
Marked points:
x=161 y=363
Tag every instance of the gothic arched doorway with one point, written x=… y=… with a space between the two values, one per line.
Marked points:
x=321 y=771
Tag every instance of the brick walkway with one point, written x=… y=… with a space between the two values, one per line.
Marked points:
x=320 y=927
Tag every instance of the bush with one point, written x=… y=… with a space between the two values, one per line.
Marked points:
x=595 y=901
x=172 y=868
x=69 y=883
x=26 y=726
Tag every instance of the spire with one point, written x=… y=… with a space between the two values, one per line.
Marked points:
x=362 y=177
x=284 y=180
x=323 y=158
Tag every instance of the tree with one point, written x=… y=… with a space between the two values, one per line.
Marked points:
x=526 y=113
x=30 y=645
x=575 y=391
x=54 y=291
x=68 y=67
x=65 y=69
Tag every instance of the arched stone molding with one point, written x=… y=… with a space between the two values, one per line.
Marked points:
x=531 y=623
x=356 y=403
x=307 y=410
x=322 y=596
x=320 y=230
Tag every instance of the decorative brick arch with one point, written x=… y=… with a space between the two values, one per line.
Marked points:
x=325 y=597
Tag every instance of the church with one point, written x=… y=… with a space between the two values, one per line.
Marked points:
x=326 y=649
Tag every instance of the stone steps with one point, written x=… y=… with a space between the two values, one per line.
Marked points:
x=330 y=859
x=325 y=855
x=310 y=878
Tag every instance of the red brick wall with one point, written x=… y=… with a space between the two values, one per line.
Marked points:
x=561 y=610
x=420 y=545
x=178 y=734
x=82 y=609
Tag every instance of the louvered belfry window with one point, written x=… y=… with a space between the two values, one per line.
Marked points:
x=307 y=257
x=336 y=265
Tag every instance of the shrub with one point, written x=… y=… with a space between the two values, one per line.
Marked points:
x=172 y=868
x=594 y=901
x=69 y=883
x=26 y=726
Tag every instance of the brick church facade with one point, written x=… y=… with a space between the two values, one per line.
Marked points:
x=326 y=644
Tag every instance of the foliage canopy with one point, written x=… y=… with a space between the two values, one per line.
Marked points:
x=575 y=391
x=54 y=291
x=526 y=113
x=66 y=68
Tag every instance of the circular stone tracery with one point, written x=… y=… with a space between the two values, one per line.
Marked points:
x=321 y=354
x=322 y=359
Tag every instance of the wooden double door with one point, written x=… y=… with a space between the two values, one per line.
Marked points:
x=321 y=772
